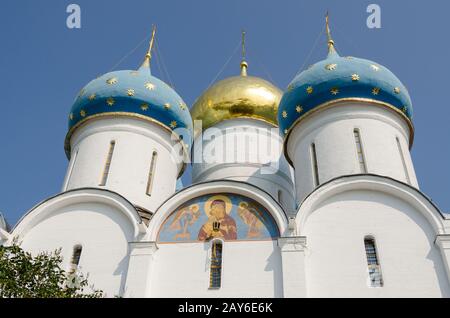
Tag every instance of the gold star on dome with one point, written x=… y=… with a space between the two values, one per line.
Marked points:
x=310 y=90
x=375 y=90
x=182 y=105
x=111 y=81
x=110 y=101
x=134 y=73
x=83 y=113
x=330 y=67
x=374 y=67
x=149 y=86
x=290 y=88
x=130 y=92
x=173 y=124
x=284 y=114
x=355 y=77
x=167 y=105
x=397 y=90
x=405 y=109
x=71 y=116
x=299 y=109
x=349 y=57
x=92 y=97
x=334 y=91
x=285 y=131
x=144 y=107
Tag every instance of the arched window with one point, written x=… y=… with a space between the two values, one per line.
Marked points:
x=215 y=274
x=376 y=279
x=402 y=157
x=315 y=165
x=108 y=163
x=359 y=151
x=151 y=173
x=75 y=261
x=280 y=196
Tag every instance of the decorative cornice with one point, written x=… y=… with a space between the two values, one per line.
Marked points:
x=292 y=244
x=143 y=248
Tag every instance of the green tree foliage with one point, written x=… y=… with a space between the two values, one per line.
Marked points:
x=23 y=275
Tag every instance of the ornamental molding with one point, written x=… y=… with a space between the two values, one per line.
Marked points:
x=292 y=244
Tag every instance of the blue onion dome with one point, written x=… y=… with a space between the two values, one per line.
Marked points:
x=135 y=94
x=336 y=79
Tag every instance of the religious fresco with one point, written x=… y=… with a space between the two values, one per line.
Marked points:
x=225 y=216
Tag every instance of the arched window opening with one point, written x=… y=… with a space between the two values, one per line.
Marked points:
x=280 y=196
x=75 y=261
x=359 y=151
x=315 y=165
x=215 y=275
x=151 y=173
x=376 y=279
x=108 y=163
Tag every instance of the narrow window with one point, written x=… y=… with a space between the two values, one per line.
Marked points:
x=315 y=165
x=376 y=280
x=75 y=259
x=280 y=196
x=108 y=163
x=403 y=161
x=215 y=275
x=151 y=173
x=69 y=174
x=359 y=150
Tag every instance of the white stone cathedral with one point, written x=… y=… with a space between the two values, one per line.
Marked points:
x=307 y=193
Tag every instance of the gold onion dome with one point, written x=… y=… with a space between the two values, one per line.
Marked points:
x=238 y=97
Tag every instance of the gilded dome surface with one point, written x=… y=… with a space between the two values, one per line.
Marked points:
x=238 y=97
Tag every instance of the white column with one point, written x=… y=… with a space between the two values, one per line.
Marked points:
x=293 y=265
x=139 y=269
x=443 y=241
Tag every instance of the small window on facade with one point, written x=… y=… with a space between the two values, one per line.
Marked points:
x=151 y=173
x=280 y=196
x=75 y=261
x=360 y=152
x=376 y=279
x=108 y=163
x=402 y=157
x=315 y=165
x=215 y=275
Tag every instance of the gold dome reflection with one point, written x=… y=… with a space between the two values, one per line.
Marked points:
x=238 y=97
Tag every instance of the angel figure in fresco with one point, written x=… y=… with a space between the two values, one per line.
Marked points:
x=219 y=223
x=184 y=218
x=252 y=218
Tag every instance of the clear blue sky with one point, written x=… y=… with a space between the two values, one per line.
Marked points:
x=44 y=64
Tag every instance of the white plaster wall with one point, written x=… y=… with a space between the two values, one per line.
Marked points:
x=332 y=132
x=101 y=230
x=336 y=263
x=245 y=150
x=250 y=269
x=128 y=175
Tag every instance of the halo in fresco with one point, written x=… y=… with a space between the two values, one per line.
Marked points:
x=225 y=216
